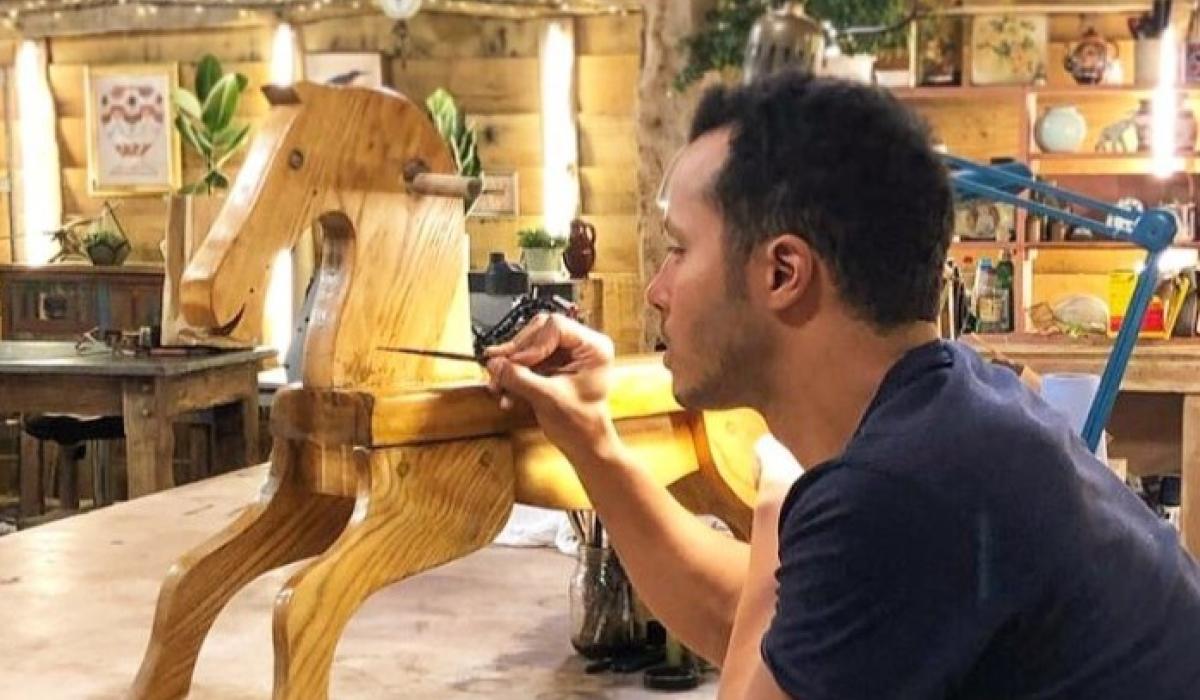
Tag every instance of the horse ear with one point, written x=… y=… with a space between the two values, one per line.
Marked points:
x=278 y=95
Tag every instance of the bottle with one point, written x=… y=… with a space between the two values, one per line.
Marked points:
x=989 y=304
x=1191 y=51
x=1004 y=282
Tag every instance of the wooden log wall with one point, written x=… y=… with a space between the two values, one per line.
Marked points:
x=246 y=50
x=491 y=67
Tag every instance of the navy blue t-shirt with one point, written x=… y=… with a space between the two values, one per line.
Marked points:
x=967 y=545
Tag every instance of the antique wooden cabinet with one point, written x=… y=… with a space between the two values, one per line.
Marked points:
x=58 y=302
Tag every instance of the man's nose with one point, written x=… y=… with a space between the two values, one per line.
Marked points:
x=656 y=291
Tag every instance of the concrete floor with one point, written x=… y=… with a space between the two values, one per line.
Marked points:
x=77 y=599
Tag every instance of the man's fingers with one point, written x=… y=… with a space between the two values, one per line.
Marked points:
x=520 y=340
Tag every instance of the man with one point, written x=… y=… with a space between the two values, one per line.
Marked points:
x=952 y=536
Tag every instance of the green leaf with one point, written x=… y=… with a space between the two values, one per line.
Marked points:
x=198 y=187
x=229 y=138
x=221 y=103
x=243 y=82
x=186 y=102
x=208 y=72
x=194 y=138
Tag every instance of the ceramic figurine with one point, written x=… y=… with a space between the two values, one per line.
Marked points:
x=1090 y=58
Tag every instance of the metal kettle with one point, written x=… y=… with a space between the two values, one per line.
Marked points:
x=784 y=37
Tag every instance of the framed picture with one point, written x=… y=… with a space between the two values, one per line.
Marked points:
x=359 y=69
x=500 y=196
x=132 y=144
x=1008 y=49
x=938 y=57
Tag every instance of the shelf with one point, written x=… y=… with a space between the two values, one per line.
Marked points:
x=1105 y=163
x=982 y=245
x=1097 y=245
x=960 y=93
x=995 y=92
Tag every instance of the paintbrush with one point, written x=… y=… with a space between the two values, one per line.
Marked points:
x=440 y=354
x=459 y=356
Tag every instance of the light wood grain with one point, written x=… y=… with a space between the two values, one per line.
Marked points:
x=283 y=526
x=418 y=508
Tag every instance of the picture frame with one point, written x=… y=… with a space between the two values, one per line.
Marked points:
x=499 y=197
x=1008 y=49
x=360 y=69
x=133 y=147
x=936 y=59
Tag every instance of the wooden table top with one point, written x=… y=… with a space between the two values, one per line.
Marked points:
x=78 y=598
x=54 y=357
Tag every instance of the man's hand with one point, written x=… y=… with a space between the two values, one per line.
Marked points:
x=561 y=368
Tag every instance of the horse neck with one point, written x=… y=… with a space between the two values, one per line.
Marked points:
x=393 y=273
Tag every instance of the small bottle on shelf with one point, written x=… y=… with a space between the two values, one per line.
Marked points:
x=989 y=302
x=1004 y=283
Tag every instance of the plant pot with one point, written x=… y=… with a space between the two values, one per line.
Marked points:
x=542 y=260
x=105 y=254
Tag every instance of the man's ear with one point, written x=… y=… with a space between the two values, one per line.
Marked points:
x=789 y=263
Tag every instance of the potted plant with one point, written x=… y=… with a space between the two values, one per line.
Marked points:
x=105 y=242
x=205 y=120
x=540 y=252
x=457 y=132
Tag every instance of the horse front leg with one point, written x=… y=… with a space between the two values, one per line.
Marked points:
x=418 y=507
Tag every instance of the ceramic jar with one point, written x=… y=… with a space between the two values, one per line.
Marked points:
x=580 y=255
x=1060 y=129
x=1090 y=59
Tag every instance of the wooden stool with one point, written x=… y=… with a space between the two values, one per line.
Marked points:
x=70 y=432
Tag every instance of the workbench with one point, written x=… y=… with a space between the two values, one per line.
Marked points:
x=1157 y=367
x=79 y=594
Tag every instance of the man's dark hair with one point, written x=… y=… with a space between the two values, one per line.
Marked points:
x=847 y=168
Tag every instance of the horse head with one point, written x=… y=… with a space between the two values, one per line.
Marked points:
x=393 y=264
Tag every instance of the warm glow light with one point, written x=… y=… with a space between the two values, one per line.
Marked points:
x=277 y=321
x=1165 y=110
x=40 y=186
x=283 y=56
x=560 y=146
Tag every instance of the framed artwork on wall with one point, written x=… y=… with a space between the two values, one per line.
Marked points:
x=1008 y=49
x=358 y=69
x=132 y=144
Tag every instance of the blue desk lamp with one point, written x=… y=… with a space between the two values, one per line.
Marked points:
x=1153 y=230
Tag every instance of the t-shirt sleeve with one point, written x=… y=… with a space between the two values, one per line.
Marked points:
x=878 y=591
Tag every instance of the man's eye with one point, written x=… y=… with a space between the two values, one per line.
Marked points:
x=674 y=250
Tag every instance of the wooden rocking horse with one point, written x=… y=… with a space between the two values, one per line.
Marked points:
x=384 y=465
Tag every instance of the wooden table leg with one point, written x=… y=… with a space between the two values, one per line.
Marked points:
x=237 y=431
x=1190 y=517
x=149 y=437
x=33 y=497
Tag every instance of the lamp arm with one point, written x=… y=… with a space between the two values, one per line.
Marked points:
x=1153 y=230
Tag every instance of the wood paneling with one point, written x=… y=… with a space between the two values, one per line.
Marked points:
x=491 y=85
x=508 y=140
x=244 y=44
x=608 y=85
x=607 y=141
x=605 y=35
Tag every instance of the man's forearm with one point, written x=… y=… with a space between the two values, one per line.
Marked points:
x=689 y=575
